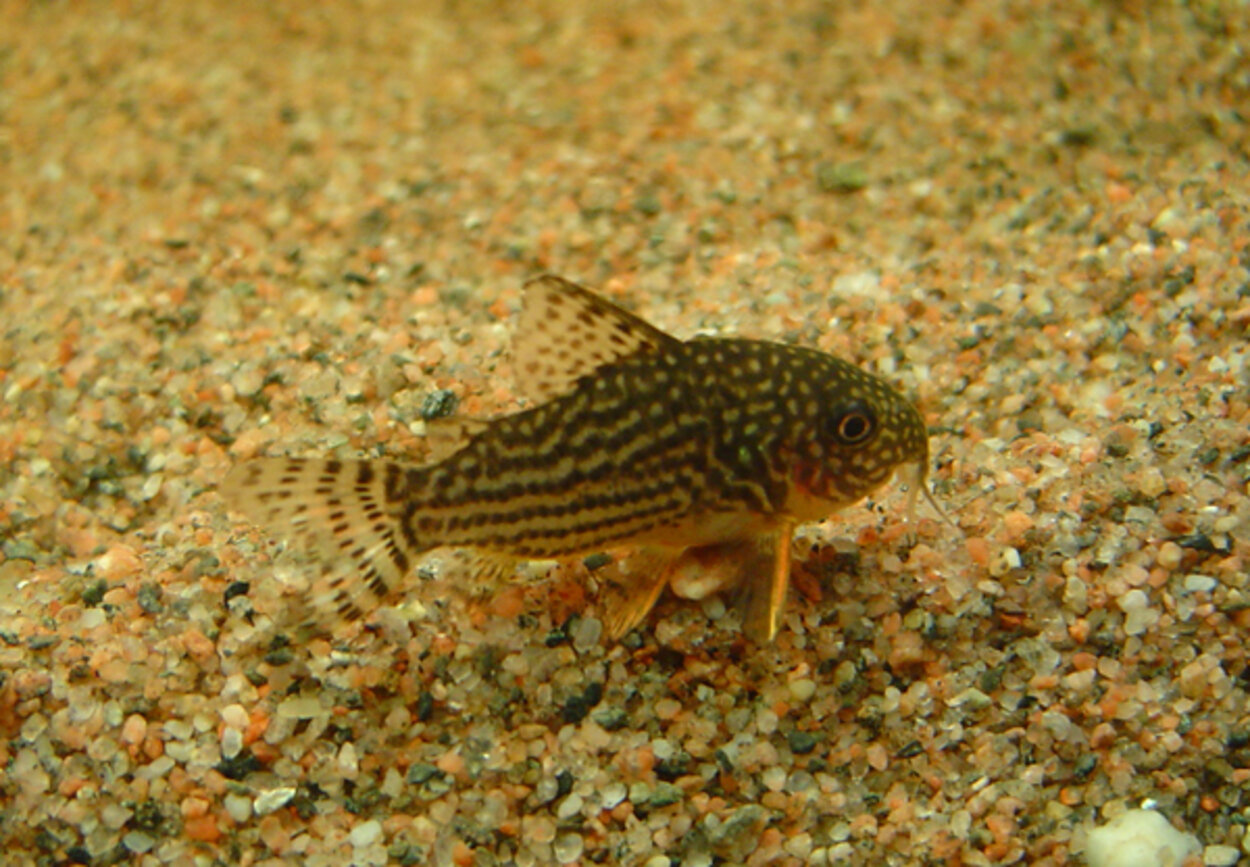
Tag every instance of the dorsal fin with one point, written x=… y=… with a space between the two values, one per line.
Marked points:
x=567 y=332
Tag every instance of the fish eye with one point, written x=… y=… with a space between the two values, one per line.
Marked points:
x=852 y=424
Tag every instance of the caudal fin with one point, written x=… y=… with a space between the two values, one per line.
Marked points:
x=347 y=515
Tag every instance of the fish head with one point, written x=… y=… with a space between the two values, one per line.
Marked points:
x=862 y=431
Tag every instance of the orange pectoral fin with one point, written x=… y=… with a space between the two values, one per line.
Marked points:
x=764 y=592
x=634 y=588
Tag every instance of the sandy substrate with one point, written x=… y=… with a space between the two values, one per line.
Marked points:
x=227 y=232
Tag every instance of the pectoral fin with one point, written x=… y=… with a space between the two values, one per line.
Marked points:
x=762 y=592
x=633 y=587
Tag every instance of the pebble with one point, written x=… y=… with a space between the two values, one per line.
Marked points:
x=235 y=716
x=568 y=847
x=135 y=729
x=774 y=778
x=569 y=807
x=238 y=807
x=157 y=768
x=800 y=846
x=274 y=799
x=1220 y=856
x=587 y=633
x=348 y=762
x=114 y=815
x=801 y=743
x=1004 y=561
x=300 y=708
x=231 y=742
x=802 y=689
x=1076 y=595
x=1058 y=724
x=665 y=794
x=612 y=794
x=1138 y=615
x=739 y=828
x=971 y=698
x=138 y=842
x=540 y=829
x=247 y=380
x=1152 y=483
x=1200 y=583
x=365 y=834
x=1170 y=555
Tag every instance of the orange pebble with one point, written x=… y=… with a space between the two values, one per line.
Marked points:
x=1078 y=630
x=450 y=763
x=1083 y=660
x=193 y=807
x=1118 y=193
x=1017 y=523
x=258 y=723
x=424 y=296
x=1103 y=735
x=509 y=602
x=1002 y=827
x=203 y=828
x=978 y=549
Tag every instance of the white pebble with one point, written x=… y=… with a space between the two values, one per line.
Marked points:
x=300 y=708
x=586 y=634
x=91 y=618
x=802 y=689
x=231 y=742
x=774 y=778
x=569 y=807
x=1139 y=838
x=151 y=487
x=156 y=768
x=568 y=848
x=800 y=846
x=235 y=716
x=1200 y=583
x=274 y=799
x=138 y=842
x=972 y=697
x=612 y=794
x=247 y=380
x=239 y=807
x=115 y=815
x=1076 y=595
x=349 y=763
x=1138 y=620
x=365 y=834
x=1220 y=856
x=1057 y=723
x=392 y=784
x=1005 y=561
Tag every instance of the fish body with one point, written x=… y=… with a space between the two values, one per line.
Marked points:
x=706 y=451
